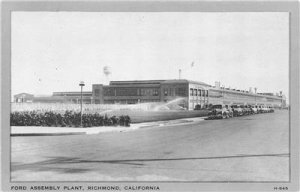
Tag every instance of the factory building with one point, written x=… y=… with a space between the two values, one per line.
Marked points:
x=131 y=92
x=195 y=94
x=23 y=98
x=73 y=97
x=192 y=94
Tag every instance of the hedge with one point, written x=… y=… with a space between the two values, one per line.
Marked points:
x=67 y=119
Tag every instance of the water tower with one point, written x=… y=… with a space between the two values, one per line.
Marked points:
x=106 y=72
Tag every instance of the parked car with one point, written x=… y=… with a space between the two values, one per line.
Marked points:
x=265 y=109
x=246 y=110
x=271 y=109
x=230 y=112
x=260 y=109
x=237 y=110
x=254 y=109
x=219 y=112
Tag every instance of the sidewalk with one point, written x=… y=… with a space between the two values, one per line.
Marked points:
x=56 y=131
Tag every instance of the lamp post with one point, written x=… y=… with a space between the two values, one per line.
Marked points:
x=281 y=101
x=255 y=89
x=223 y=94
x=81 y=84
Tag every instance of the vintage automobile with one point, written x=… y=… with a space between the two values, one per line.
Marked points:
x=249 y=108
x=237 y=110
x=246 y=110
x=219 y=112
x=259 y=109
x=254 y=109
x=230 y=112
x=265 y=109
x=269 y=109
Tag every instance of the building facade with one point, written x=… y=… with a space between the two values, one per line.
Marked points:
x=73 y=97
x=234 y=97
x=23 y=98
x=193 y=94
x=131 y=92
x=187 y=94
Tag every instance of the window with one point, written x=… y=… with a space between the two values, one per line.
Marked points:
x=166 y=92
x=97 y=92
x=191 y=92
x=206 y=93
x=149 y=92
x=109 y=92
x=126 y=92
x=143 y=92
x=171 y=91
x=155 y=93
x=195 y=91
x=180 y=91
x=203 y=93
x=199 y=92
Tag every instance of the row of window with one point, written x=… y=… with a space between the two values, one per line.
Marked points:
x=213 y=93
x=178 y=91
x=198 y=92
x=128 y=92
x=149 y=92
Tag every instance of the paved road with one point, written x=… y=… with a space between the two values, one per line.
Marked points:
x=250 y=148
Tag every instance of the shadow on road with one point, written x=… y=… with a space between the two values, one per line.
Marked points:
x=53 y=163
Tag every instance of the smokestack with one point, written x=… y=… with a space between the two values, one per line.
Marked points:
x=217 y=84
x=179 y=73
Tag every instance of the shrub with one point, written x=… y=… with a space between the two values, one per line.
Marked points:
x=66 y=119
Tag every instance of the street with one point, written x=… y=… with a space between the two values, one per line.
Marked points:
x=247 y=148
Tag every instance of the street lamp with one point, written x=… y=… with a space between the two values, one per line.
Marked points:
x=81 y=84
x=255 y=89
x=223 y=94
x=281 y=99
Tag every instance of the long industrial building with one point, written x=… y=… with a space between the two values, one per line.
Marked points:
x=194 y=94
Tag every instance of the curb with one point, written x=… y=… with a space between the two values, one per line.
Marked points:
x=46 y=134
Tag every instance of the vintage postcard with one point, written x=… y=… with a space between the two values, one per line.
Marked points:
x=150 y=96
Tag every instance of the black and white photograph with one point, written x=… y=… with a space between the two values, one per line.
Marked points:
x=149 y=97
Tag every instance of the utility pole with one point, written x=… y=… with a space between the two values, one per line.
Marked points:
x=81 y=84
x=180 y=70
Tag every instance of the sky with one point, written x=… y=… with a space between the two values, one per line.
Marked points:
x=54 y=51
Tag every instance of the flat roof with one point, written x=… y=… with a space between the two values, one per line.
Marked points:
x=245 y=93
x=157 y=82
x=186 y=81
x=72 y=93
x=132 y=86
x=136 y=82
